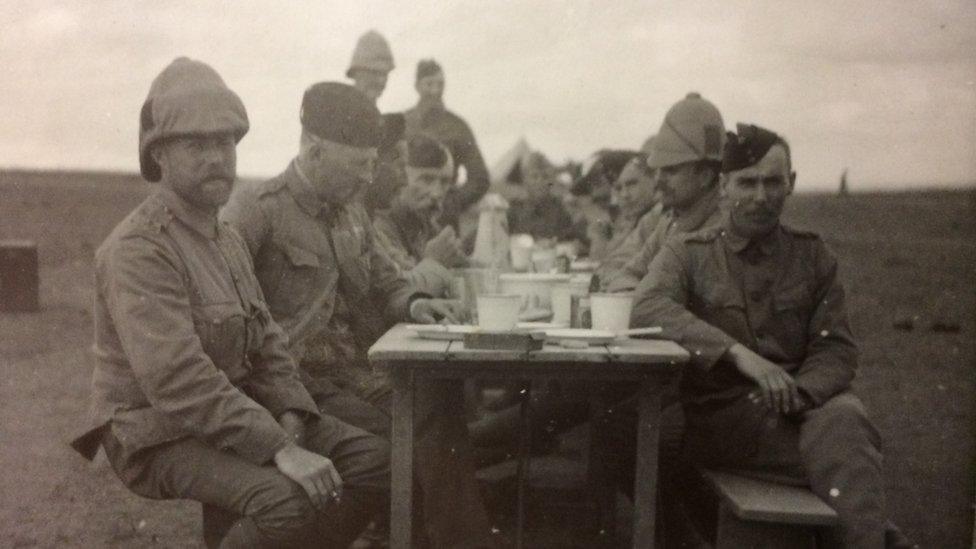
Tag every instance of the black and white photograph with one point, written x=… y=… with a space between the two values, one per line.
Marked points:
x=505 y=274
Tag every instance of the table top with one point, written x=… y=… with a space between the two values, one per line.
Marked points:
x=401 y=344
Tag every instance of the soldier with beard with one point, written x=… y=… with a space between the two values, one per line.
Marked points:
x=194 y=395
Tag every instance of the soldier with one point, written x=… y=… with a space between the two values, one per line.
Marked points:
x=761 y=310
x=408 y=231
x=686 y=154
x=541 y=214
x=371 y=64
x=335 y=292
x=431 y=117
x=639 y=213
x=194 y=395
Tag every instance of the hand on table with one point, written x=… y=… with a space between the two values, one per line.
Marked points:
x=432 y=311
x=777 y=389
x=315 y=473
x=445 y=248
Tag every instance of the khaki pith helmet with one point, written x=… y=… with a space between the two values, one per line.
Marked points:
x=187 y=98
x=692 y=131
x=372 y=52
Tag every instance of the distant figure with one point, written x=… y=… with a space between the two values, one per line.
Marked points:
x=430 y=116
x=371 y=64
x=843 y=191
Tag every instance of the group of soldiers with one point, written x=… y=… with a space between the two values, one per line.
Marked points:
x=232 y=320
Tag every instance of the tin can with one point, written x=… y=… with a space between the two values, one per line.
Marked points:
x=579 y=311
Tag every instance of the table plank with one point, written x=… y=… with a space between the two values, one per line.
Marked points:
x=647 y=350
x=401 y=343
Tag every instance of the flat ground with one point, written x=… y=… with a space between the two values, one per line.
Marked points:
x=905 y=256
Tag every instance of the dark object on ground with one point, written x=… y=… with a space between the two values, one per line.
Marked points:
x=945 y=326
x=19 y=279
x=907 y=324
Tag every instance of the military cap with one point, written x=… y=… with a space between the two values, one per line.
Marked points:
x=748 y=146
x=339 y=112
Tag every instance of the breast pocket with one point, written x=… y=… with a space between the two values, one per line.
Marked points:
x=221 y=329
x=791 y=307
x=299 y=273
x=722 y=306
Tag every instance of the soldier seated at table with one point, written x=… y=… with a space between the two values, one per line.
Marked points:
x=334 y=291
x=408 y=231
x=760 y=307
x=541 y=213
x=194 y=395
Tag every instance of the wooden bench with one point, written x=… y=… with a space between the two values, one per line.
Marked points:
x=757 y=514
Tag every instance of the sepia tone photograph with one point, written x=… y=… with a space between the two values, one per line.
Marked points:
x=555 y=274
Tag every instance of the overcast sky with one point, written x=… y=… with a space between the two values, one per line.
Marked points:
x=884 y=87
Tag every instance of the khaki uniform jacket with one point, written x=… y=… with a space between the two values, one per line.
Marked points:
x=622 y=249
x=287 y=229
x=403 y=237
x=184 y=343
x=779 y=297
x=706 y=213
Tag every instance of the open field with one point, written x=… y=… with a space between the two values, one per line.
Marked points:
x=903 y=256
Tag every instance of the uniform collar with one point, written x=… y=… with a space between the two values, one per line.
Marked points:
x=303 y=191
x=202 y=222
x=765 y=244
x=700 y=212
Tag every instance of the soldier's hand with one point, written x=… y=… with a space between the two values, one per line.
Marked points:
x=415 y=199
x=445 y=248
x=432 y=311
x=314 y=473
x=777 y=389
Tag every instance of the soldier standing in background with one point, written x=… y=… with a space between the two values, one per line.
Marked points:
x=431 y=117
x=371 y=63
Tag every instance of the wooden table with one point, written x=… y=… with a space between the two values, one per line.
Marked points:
x=411 y=359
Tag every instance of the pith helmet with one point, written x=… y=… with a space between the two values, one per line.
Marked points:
x=187 y=98
x=692 y=130
x=372 y=52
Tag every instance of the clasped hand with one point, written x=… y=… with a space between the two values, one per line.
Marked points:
x=777 y=389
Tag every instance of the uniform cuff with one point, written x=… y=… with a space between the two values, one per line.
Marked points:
x=262 y=442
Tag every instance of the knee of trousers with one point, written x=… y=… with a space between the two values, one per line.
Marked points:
x=282 y=512
x=842 y=418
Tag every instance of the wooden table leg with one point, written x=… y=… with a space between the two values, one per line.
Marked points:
x=401 y=463
x=645 y=481
x=522 y=472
